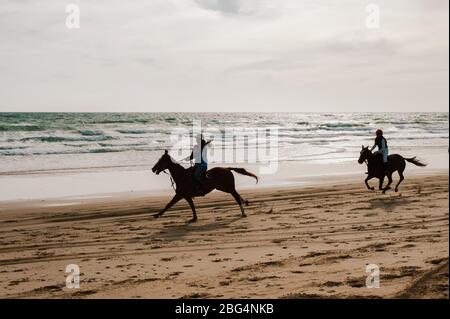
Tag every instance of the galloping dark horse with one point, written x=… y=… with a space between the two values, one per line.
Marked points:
x=219 y=178
x=376 y=169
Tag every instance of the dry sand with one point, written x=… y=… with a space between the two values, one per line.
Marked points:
x=311 y=242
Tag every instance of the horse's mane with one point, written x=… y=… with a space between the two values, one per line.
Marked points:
x=176 y=163
x=370 y=154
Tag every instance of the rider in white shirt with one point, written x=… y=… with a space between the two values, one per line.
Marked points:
x=383 y=149
x=200 y=155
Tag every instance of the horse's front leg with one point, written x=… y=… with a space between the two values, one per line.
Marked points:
x=367 y=184
x=175 y=199
x=191 y=203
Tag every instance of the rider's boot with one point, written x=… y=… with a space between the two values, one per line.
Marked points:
x=199 y=188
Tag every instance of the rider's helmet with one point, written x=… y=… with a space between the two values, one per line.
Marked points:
x=379 y=132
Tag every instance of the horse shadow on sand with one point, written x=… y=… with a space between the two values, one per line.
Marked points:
x=388 y=203
x=178 y=230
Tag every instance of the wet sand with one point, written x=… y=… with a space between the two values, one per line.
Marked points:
x=297 y=242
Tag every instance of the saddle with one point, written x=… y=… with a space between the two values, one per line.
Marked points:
x=192 y=174
x=379 y=157
x=198 y=184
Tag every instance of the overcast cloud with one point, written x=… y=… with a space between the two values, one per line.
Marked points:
x=224 y=55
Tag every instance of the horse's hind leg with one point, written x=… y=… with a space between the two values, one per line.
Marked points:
x=238 y=199
x=191 y=203
x=244 y=201
x=400 y=173
x=388 y=186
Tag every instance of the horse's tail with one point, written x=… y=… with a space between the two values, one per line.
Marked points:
x=415 y=161
x=243 y=172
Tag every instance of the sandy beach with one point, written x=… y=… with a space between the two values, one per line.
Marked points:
x=110 y=111
x=297 y=242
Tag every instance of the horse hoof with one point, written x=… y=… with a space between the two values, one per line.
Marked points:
x=372 y=188
x=156 y=216
x=243 y=215
x=193 y=220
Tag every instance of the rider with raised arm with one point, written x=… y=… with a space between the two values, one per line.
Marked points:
x=200 y=155
x=381 y=143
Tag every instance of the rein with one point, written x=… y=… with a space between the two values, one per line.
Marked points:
x=171 y=179
x=367 y=160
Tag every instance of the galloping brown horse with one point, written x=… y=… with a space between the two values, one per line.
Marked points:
x=376 y=169
x=220 y=178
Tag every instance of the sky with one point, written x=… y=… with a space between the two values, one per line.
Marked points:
x=224 y=55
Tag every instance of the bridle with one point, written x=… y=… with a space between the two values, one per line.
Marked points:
x=171 y=179
x=366 y=160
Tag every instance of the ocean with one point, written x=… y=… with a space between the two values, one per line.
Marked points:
x=53 y=141
x=42 y=153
